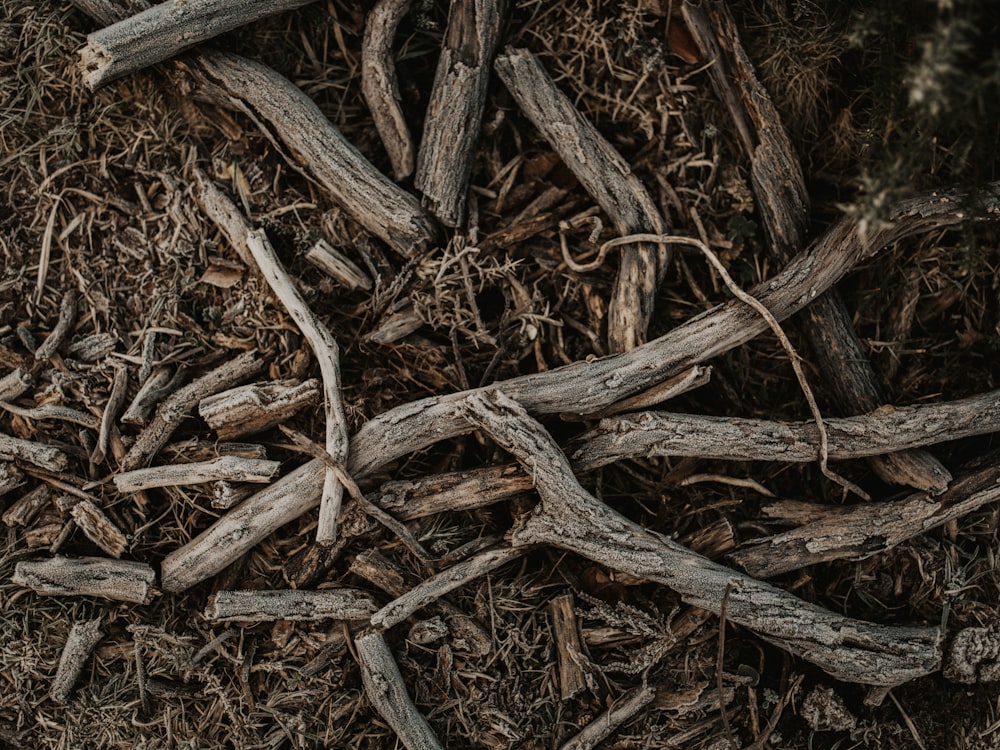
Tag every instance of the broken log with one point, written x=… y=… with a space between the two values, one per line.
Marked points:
x=570 y=518
x=98 y=528
x=225 y=495
x=27 y=506
x=586 y=387
x=609 y=180
x=253 y=408
x=380 y=86
x=37 y=454
x=859 y=531
x=10 y=477
x=783 y=201
x=569 y=649
x=887 y=430
x=156 y=387
x=119 y=580
x=340 y=603
x=15 y=384
x=232 y=468
x=177 y=407
x=455 y=110
x=164 y=31
x=83 y=636
x=387 y=693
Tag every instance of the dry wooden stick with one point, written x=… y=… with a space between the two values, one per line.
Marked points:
x=256 y=407
x=380 y=85
x=732 y=438
x=116 y=400
x=289 y=117
x=151 y=392
x=225 y=494
x=119 y=580
x=784 y=207
x=43 y=456
x=608 y=178
x=569 y=650
x=232 y=468
x=53 y=411
x=27 y=506
x=863 y=530
x=83 y=636
x=455 y=110
x=327 y=353
x=588 y=386
x=15 y=384
x=177 y=407
x=62 y=328
x=166 y=30
x=340 y=603
x=98 y=528
x=386 y=691
x=409 y=499
x=603 y=726
x=10 y=478
x=673 y=387
x=437 y=586
x=338 y=266
x=570 y=518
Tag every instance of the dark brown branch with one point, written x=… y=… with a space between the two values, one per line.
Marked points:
x=608 y=179
x=455 y=110
x=783 y=202
x=62 y=328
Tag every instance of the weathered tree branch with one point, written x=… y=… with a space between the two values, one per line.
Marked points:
x=232 y=468
x=569 y=650
x=604 y=725
x=256 y=407
x=177 y=407
x=608 y=178
x=570 y=518
x=380 y=85
x=98 y=528
x=15 y=384
x=43 y=456
x=455 y=110
x=83 y=636
x=340 y=603
x=62 y=328
x=386 y=691
x=119 y=580
x=647 y=434
x=783 y=202
x=165 y=30
x=836 y=533
x=116 y=400
x=587 y=387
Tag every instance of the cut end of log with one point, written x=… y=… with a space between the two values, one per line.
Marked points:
x=95 y=62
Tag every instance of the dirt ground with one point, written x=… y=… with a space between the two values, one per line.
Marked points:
x=98 y=198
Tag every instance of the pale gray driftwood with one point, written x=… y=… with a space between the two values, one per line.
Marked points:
x=585 y=387
x=232 y=468
x=178 y=406
x=340 y=603
x=858 y=531
x=256 y=407
x=438 y=585
x=98 y=528
x=15 y=384
x=327 y=353
x=53 y=411
x=570 y=518
x=608 y=178
x=27 y=506
x=455 y=110
x=155 y=388
x=783 y=201
x=166 y=30
x=225 y=494
x=386 y=692
x=62 y=328
x=409 y=499
x=673 y=387
x=42 y=456
x=623 y=709
x=890 y=429
x=83 y=636
x=291 y=119
x=119 y=580
x=380 y=86
x=337 y=266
